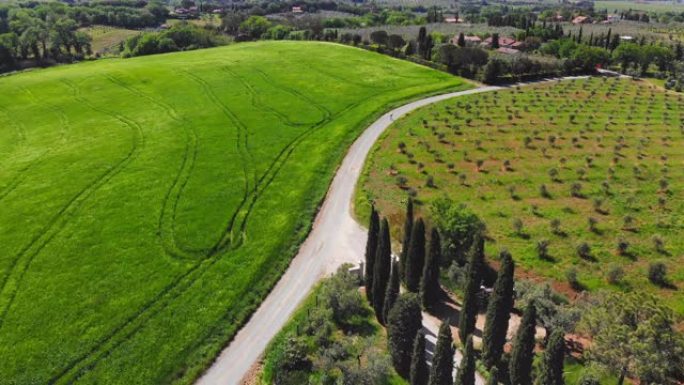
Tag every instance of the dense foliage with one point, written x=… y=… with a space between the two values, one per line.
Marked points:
x=328 y=337
x=47 y=32
x=634 y=334
x=180 y=37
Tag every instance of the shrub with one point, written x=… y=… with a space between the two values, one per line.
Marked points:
x=544 y=191
x=462 y=178
x=555 y=226
x=592 y=224
x=430 y=182
x=543 y=249
x=657 y=273
x=615 y=275
x=573 y=280
x=576 y=190
x=518 y=226
x=628 y=221
x=553 y=174
x=584 y=250
x=622 y=246
x=659 y=243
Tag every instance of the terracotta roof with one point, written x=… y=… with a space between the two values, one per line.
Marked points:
x=503 y=41
x=580 y=19
x=508 y=51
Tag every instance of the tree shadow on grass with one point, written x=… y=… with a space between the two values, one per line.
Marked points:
x=629 y=255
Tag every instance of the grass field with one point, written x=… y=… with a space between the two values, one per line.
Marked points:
x=149 y=204
x=106 y=39
x=650 y=6
x=617 y=141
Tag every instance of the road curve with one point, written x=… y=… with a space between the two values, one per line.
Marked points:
x=335 y=239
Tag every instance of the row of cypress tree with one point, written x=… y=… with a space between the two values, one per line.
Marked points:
x=420 y=274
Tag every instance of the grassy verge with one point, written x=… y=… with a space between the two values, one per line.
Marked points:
x=324 y=343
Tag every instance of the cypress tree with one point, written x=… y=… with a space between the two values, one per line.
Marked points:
x=461 y=40
x=520 y=369
x=392 y=291
x=466 y=324
x=428 y=47
x=403 y=323
x=419 y=368
x=495 y=40
x=371 y=247
x=579 y=36
x=381 y=270
x=415 y=258
x=408 y=228
x=554 y=356
x=429 y=284
x=493 y=377
x=422 y=34
x=466 y=371
x=498 y=312
x=443 y=358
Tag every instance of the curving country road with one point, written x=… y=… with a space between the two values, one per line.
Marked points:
x=335 y=239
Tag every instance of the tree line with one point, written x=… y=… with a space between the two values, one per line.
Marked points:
x=613 y=321
x=44 y=33
x=418 y=269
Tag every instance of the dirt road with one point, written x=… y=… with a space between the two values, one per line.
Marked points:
x=335 y=239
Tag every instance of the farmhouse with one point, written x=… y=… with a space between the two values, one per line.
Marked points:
x=473 y=40
x=581 y=20
x=503 y=42
x=469 y=40
x=297 y=9
x=507 y=51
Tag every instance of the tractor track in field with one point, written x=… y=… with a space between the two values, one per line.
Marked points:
x=23 y=259
x=324 y=110
x=87 y=361
x=167 y=216
x=257 y=103
x=21 y=131
x=390 y=85
x=21 y=174
x=242 y=147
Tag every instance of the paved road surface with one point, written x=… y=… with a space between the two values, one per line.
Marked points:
x=335 y=239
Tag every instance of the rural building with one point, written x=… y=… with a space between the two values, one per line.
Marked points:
x=581 y=20
x=504 y=41
x=518 y=45
x=451 y=20
x=297 y=10
x=469 y=40
x=472 y=40
x=507 y=51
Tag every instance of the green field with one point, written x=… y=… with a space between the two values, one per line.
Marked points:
x=619 y=140
x=651 y=6
x=106 y=40
x=148 y=204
